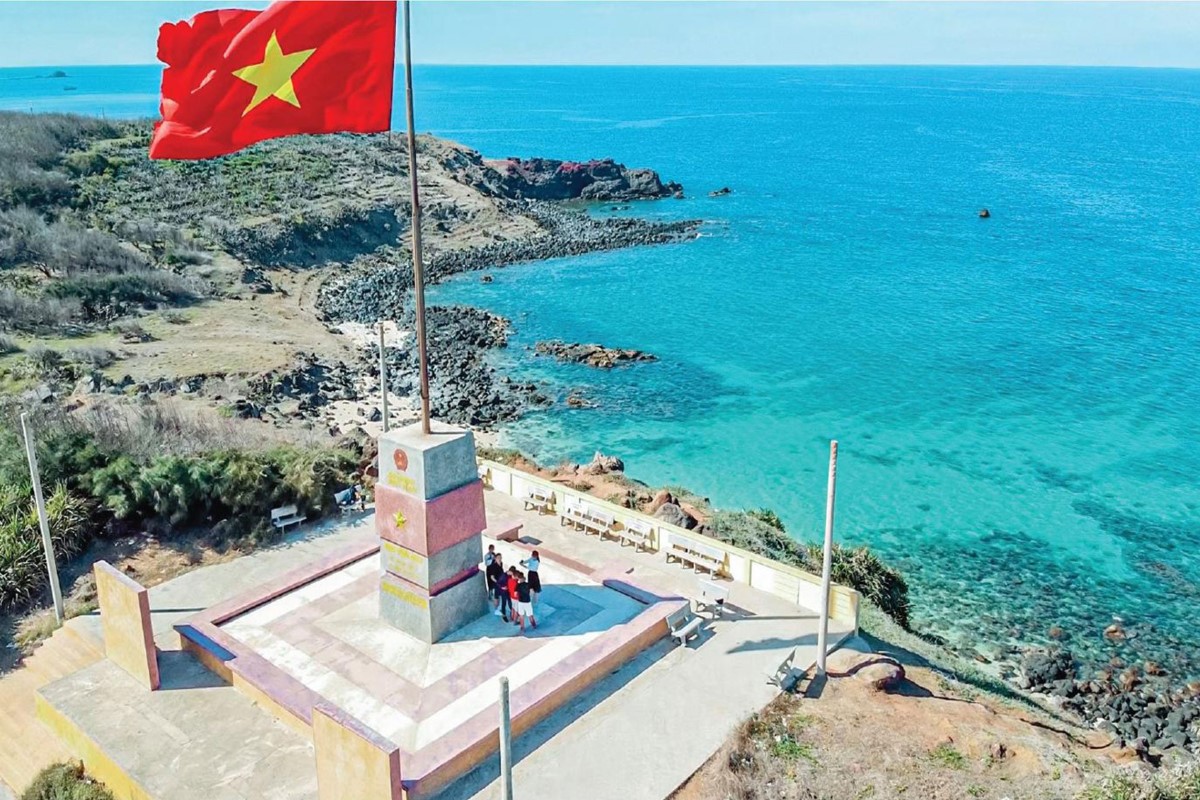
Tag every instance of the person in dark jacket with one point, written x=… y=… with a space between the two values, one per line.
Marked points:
x=498 y=587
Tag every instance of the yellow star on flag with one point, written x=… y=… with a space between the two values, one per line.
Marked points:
x=273 y=77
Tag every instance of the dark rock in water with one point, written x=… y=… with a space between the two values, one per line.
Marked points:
x=58 y=73
x=984 y=214
x=576 y=400
x=1042 y=669
x=724 y=190
x=599 y=179
x=593 y=355
x=486 y=279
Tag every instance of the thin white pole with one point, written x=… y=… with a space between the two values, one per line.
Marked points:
x=383 y=383
x=506 y=780
x=827 y=565
x=417 y=256
x=43 y=520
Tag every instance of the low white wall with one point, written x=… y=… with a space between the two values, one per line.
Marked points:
x=792 y=584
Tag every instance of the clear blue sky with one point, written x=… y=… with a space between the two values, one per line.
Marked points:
x=635 y=32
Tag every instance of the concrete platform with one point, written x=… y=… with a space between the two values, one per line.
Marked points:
x=637 y=733
x=195 y=738
x=317 y=635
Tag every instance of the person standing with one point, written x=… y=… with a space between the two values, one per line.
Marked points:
x=525 y=602
x=498 y=586
x=513 y=572
x=533 y=563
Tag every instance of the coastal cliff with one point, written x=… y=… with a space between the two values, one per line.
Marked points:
x=270 y=253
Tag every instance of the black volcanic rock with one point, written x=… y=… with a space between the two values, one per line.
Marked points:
x=593 y=355
x=598 y=179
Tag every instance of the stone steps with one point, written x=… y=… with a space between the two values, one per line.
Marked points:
x=26 y=746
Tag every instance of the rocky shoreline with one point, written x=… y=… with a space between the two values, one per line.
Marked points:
x=1132 y=704
x=464 y=387
x=379 y=285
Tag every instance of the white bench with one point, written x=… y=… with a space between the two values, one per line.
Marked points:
x=286 y=515
x=695 y=555
x=539 y=500
x=572 y=514
x=638 y=533
x=713 y=597
x=598 y=522
x=684 y=625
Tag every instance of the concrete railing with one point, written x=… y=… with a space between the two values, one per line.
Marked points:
x=742 y=566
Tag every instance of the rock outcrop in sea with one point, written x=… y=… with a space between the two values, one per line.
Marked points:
x=598 y=179
x=593 y=355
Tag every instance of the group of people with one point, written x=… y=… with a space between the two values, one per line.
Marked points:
x=513 y=592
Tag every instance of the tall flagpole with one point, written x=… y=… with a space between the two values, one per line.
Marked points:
x=418 y=265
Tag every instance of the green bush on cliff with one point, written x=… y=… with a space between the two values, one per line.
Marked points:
x=65 y=782
x=94 y=482
x=856 y=567
x=22 y=563
x=31 y=153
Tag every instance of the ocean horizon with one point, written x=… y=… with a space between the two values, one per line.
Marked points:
x=1015 y=397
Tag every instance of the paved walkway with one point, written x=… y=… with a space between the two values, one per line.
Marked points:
x=642 y=731
x=637 y=734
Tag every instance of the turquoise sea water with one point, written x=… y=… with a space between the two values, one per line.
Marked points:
x=1017 y=399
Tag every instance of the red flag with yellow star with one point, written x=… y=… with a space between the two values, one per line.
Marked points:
x=237 y=77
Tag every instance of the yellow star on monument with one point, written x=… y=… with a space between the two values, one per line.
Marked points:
x=273 y=77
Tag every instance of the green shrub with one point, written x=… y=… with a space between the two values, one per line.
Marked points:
x=230 y=490
x=856 y=567
x=8 y=345
x=31 y=151
x=156 y=286
x=948 y=756
x=65 y=782
x=44 y=359
x=62 y=246
x=93 y=356
x=22 y=562
x=769 y=517
x=35 y=313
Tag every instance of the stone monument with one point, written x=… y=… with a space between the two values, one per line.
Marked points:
x=429 y=515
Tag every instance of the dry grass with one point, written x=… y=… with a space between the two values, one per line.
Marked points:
x=231 y=337
x=176 y=427
x=848 y=742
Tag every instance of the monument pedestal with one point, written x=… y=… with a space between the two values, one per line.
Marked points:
x=429 y=514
